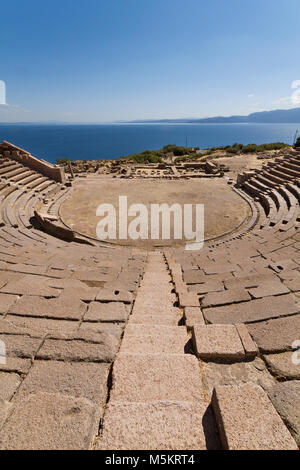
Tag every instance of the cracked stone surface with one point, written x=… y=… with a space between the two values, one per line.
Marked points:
x=286 y=399
x=66 y=423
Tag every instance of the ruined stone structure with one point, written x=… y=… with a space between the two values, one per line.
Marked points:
x=165 y=170
x=110 y=348
x=25 y=158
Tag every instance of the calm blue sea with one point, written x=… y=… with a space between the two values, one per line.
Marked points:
x=106 y=141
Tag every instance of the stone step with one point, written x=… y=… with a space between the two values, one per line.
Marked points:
x=162 y=425
x=151 y=319
x=155 y=377
x=247 y=419
x=160 y=286
x=224 y=342
x=145 y=339
x=155 y=300
x=155 y=309
x=155 y=281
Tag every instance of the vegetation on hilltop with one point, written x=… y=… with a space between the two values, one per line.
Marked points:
x=62 y=161
x=146 y=156
x=177 y=151
x=156 y=156
x=237 y=149
x=251 y=148
x=182 y=154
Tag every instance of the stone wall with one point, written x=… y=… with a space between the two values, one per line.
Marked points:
x=25 y=158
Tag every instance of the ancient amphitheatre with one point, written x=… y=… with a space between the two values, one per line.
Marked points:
x=150 y=346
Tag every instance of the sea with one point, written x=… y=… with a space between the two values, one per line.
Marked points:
x=107 y=141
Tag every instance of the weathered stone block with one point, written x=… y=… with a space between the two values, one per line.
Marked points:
x=63 y=308
x=225 y=297
x=158 y=426
x=276 y=335
x=253 y=311
x=286 y=399
x=217 y=342
x=237 y=373
x=155 y=339
x=5 y=406
x=188 y=299
x=31 y=285
x=6 y=301
x=282 y=365
x=247 y=419
x=50 y=422
x=76 y=350
x=250 y=347
x=193 y=316
x=152 y=377
x=77 y=379
x=9 y=383
x=114 y=295
x=106 y=312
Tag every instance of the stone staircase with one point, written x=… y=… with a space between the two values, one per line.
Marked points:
x=157 y=399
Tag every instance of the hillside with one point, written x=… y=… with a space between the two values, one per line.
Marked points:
x=280 y=116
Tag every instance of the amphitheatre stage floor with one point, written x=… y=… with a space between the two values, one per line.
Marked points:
x=224 y=209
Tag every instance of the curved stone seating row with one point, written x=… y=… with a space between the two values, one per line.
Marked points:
x=23 y=176
x=22 y=190
x=278 y=196
x=13 y=171
x=8 y=209
x=17 y=173
x=7 y=166
x=29 y=178
x=56 y=203
x=47 y=216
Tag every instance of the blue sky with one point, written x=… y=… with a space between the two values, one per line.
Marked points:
x=105 y=60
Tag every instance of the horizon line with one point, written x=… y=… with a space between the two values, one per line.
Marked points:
x=182 y=120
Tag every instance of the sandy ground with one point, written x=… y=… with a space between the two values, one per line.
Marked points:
x=224 y=209
x=239 y=163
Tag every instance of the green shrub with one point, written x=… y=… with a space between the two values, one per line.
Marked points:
x=251 y=148
x=186 y=153
x=62 y=161
x=233 y=150
x=169 y=148
x=147 y=156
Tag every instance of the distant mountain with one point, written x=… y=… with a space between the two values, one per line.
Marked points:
x=279 y=116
